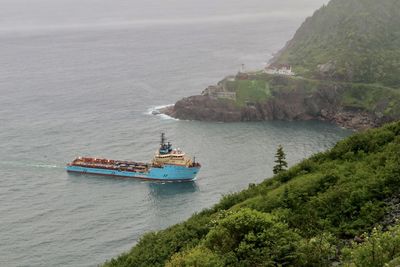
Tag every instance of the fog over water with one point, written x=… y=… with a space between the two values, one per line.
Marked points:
x=80 y=77
x=25 y=15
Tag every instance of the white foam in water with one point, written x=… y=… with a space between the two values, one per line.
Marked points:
x=23 y=164
x=166 y=117
x=161 y=115
x=150 y=110
x=44 y=166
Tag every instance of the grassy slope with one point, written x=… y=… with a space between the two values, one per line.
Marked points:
x=252 y=90
x=327 y=198
x=361 y=38
x=370 y=97
x=373 y=97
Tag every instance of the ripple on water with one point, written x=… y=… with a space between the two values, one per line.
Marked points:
x=86 y=93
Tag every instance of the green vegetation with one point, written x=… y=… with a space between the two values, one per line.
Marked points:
x=280 y=160
x=251 y=91
x=349 y=49
x=348 y=52
x=349 y=40
x=379 y=248
x=301 y=217
x=374 y=98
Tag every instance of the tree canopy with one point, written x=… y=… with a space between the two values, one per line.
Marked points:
x=280 y=160
x=304 y=216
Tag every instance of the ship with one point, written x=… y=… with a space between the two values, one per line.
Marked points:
x=168 y=164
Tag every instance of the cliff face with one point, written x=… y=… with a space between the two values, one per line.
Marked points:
x=347 y=58
x=204 y=108
x=299 y=104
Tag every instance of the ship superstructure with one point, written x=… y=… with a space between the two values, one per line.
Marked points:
x=168 y=164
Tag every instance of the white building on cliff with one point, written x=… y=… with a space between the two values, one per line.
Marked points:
x=281 y=69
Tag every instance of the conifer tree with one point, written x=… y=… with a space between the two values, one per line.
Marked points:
x=280 y=160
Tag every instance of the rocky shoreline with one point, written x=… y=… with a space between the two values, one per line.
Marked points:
x=324 y=104
x=202 y=108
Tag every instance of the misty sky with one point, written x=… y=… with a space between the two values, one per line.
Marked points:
x=28 y=15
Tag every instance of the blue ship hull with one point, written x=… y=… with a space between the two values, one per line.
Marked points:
x=165 y=173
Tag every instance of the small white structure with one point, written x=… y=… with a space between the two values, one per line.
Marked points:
x=217 y=91
x=242 y=69
x=282 y=69
x=226 y=95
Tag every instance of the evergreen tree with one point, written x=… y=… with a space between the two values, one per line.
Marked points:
x=280 y=160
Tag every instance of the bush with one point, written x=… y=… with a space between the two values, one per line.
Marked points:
x=199 y=256
x=317 y=251
x=253 y=238
x=378 y=249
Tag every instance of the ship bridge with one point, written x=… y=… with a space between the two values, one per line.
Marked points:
x=166 y=155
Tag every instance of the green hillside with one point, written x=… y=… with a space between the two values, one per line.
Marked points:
x=374 y=98
x=306 y=216
x=346 y=59
x=349 y=40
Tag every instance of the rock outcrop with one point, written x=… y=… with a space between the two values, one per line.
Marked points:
x=346 y=60
x=204 y=108
x=291 y=105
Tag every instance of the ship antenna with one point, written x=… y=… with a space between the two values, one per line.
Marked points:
x=162 y=138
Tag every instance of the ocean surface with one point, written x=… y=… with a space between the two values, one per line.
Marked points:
x=81 y=77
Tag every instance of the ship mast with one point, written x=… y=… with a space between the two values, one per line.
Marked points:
x=162 y=139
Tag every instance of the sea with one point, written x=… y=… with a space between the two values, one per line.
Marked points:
x=82 y=77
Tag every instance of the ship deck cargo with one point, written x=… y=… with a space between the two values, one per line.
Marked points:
x=167 y=165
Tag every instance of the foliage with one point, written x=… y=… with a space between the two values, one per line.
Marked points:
x=280 y=160
x=317 y=251
x=374 y=98
x=247 y=238
x=300 y=217
x=355 y=40
x=198 y=256
x=155 y=248
x=378 y=249
x=251 y=91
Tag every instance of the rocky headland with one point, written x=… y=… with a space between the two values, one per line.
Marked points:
x=341 y=66
x=290 y=99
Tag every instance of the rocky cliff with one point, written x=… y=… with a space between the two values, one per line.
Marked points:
x=347 y=59
x=298 y=99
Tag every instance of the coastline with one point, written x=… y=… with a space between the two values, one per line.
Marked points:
x=290 y=99
x=354 y=120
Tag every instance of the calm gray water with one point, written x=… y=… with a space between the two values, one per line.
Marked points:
x=79 y=78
